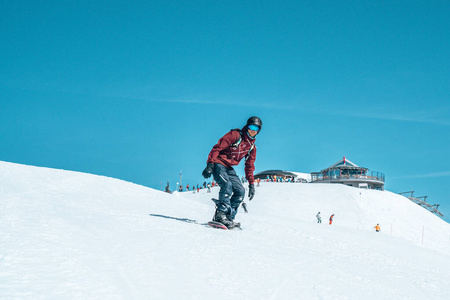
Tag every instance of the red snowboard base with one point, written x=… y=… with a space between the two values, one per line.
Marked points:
x=217 y=225
x=221 y=226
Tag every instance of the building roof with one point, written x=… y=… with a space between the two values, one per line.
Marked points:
x=343 y=164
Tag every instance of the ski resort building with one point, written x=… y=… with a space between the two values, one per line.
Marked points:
x=348 y=173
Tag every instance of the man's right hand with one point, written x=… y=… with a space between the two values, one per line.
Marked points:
x=208 y=170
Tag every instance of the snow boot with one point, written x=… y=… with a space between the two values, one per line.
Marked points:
x=221 y=217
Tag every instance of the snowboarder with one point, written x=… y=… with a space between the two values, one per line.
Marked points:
x=319 y=218
x=228 y=152
x=377 y=228
x=331 y=218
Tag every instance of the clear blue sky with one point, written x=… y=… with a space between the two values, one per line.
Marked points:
x=139 y=90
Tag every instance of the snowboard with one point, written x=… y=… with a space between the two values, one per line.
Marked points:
x=219 y=225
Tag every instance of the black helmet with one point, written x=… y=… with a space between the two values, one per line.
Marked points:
x=254 y=121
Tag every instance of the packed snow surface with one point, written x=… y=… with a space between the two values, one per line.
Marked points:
x=69 y=235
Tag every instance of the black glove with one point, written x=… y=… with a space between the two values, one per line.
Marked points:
x=208 y=170
x=251 y=191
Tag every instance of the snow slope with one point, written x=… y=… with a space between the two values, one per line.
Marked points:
x=69 y=235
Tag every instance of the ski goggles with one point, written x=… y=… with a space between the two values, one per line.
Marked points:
x=254 y=127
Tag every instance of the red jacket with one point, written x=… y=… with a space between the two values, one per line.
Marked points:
x=223 y=152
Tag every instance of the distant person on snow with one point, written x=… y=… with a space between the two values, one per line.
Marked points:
x=319 y=218
x=331 y=219
x=228 y=152
x=377 y=228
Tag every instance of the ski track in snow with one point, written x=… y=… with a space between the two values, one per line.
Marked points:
x=68 y=235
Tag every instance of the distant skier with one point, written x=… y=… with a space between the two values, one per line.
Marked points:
x=331 y=219
x=228 y=152
x=377 y=228
x=319 y=218
x=167 y=190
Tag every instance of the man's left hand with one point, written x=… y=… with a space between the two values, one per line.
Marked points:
x=251 y=191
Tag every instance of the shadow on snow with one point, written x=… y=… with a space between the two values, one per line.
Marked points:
x=186 y=220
